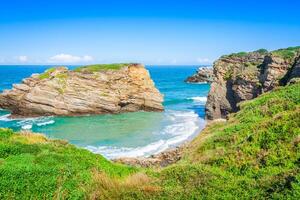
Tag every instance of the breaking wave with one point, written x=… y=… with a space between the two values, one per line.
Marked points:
x=183 y=126
x=198 y=99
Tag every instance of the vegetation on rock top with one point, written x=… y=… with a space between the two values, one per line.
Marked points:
x=255 y=154
x=287 y=53
x=100 y=67
x=47 y=73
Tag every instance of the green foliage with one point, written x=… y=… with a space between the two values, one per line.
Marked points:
x=262 y=51
x=50 y=169
x=239 y=54
x=288 y=53
x=47 y=73
x=254 y=155
x=100 y=67
x=228 y=74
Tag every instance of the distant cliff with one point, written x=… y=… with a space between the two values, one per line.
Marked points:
x=203 y=75
x=243 y=76
x=94 y=89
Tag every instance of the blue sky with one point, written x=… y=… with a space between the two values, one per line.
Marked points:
x=147 y=31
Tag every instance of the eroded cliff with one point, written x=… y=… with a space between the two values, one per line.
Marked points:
x=244 y=76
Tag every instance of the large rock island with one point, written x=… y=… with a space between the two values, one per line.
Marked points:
x=244 y=76
x=94 y=89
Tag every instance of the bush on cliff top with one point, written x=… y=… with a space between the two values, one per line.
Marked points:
x=256 y=154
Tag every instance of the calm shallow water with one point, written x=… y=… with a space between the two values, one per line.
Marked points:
x=127 y=134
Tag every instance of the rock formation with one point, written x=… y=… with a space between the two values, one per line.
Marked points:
x=203 y=75
x=244 y=76
x=162 y=159
x=95 y=89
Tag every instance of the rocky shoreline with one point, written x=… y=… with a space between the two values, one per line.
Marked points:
x=162 y=159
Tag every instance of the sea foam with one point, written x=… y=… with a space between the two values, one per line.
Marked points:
x=184 y=125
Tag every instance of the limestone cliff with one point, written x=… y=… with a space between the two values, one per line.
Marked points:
x=243 y=76
x=203 y=75
x=95 y=89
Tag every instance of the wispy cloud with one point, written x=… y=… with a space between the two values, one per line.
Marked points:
x=23 y=59
x=68 y=58
x=203 y=60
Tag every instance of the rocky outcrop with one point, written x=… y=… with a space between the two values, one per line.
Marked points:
x=203 y=75
x=244 y=76
x=96 y=89
x=162 y=159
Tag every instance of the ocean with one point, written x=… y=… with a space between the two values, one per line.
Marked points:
x=126 y=134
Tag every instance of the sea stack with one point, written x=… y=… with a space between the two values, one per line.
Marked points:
x=93 y=89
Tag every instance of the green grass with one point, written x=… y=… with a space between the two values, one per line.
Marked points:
x=33 y=167
x=100 y=67
x=288 y=53
x=254 y=155
x=47 y=73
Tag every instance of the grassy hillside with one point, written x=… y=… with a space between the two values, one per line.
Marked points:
x=256 y=154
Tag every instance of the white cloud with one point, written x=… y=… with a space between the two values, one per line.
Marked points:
x=203 y=60
x=174 y=61
x=23 y=58
x=67 y=58
x=87 y=58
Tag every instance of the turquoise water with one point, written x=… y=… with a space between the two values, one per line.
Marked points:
x=127 y=134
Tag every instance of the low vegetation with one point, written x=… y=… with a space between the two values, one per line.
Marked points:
x=288 y=53
x=100 y=67
x=254 y=155
x=34 y=167
x=47 y=73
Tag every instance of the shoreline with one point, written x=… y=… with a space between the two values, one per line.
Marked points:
x=164 y=158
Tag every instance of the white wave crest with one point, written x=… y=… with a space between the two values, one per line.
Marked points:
x=198 y=99
x=28 y=123
x=27 y=127
x=5 y=118
x=185 y=124
x=45 y=123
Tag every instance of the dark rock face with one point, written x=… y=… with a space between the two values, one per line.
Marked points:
x=203 y=75
x=240 y=77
